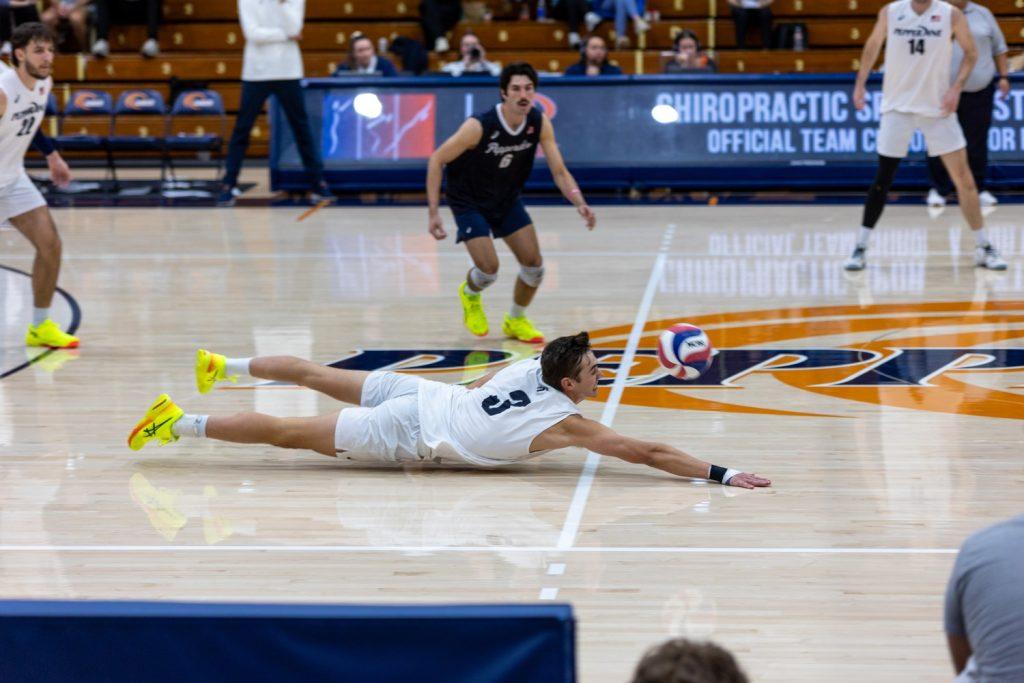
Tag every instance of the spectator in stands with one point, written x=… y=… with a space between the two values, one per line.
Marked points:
x=437 y=17
x=621 y=11
x=984 y=614
x=743 y=11
x=976 y=101
x=127 y=12
x=684 y=661
x=593 y=60
x=73 y=13
x=688 y=55
x=363 y=59
x=12 y=13
x=272 y=65
x=473 y=62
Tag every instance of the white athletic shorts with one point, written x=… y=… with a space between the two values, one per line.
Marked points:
x=942 y=134
x=18 y=197
x=386 y=426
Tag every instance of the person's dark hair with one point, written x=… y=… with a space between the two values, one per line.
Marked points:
x=517 y=69
x=352 y=48
x=684 y=661
x=686 y=33
x=563 y=357
x=586 y=43
x=27 y=33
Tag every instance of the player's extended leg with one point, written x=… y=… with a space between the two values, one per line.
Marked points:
x=342 y=385
x=38 y=227
x=985 y=254
x=482 y=275
x=526 y=247
x=165 y=422
x=873 y=207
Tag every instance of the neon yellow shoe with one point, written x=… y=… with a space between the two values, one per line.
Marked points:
x=210 y=370
x=159 y=504
x=522 y=329
x=49 y=334
x=156 y=424
x=473 y=311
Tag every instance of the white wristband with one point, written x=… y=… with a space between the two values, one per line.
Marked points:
x=729 y=474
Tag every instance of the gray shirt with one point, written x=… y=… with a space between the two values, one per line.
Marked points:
x=985 y=600
x=989 y=40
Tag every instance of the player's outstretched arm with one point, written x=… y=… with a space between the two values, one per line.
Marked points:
x=583 y=433
x=962 y=35
x=465 y=138
x=563 y=179
x=869 y=55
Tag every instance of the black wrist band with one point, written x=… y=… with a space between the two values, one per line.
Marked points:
x=717 y=473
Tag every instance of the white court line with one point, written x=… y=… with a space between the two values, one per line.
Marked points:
x=548 y=594
x=556 y=569
x=579 y=498
x=474 y=549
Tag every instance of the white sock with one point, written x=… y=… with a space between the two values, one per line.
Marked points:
x=517 y=311
x=980 y=237
x=236 y=366
x=864 y=237
x=39 y=315
x=191 y=425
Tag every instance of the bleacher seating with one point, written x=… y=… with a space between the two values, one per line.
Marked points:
x=201 y=41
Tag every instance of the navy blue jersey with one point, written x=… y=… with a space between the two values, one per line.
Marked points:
x=489 y=177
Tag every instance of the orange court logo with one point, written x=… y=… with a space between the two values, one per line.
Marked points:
x=947 y=357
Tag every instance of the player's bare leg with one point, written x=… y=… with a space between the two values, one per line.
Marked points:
x=526 y=247
x=967 y=194
x=306 y=433
x=37 y=226
x=481 y=276
x=342 y=385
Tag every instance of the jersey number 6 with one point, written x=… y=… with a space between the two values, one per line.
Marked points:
x=493 y=405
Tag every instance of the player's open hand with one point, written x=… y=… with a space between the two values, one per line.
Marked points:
x=588 y=215
x=748 y=481
x=860 y=97
x=60 y=174
x=436 y=228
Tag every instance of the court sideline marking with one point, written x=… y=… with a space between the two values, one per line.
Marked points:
x=686 y=550
x=574 y=516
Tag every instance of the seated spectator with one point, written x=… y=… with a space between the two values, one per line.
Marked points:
x=681 y=660
x=984 y=613
x=743 y=11
x=688 y=55
x=473 y=60
x=572 y=12
x=437 y=17
x=12 y=13
x=73 y=13
x=620 y=10
x=593 y=60
x=363 y=59
x=128 y=12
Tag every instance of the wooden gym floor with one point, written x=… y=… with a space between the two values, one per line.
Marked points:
x=836 y=572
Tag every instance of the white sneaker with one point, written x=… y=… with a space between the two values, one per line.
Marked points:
x=5 y=49
x=640 y=26
x=988 y=257
x=935 y=199
x=150 y=48
x=100 y=48
x=987 y=198
x=856 y=260
x=441 y=44
x=591 y=19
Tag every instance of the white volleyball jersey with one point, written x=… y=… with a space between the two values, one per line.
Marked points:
x=19 y=123
x=918 y=52
x=493 y=424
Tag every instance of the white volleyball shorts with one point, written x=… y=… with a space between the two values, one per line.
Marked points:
x=386 y=426
x=942 y=134
x=18 y=197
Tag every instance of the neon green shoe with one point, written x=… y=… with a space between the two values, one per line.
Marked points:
x=159 y=504
x=473 y=311
x=49 y=334
x=522 y=329
x=156 y=424
x=210 y=370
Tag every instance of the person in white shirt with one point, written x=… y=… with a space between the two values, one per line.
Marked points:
x=272 y=65
x=918 y=93
x=519 y=412
x=24 y=91
x=473 y=62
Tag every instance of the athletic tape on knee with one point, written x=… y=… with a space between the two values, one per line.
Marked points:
x=532 y=275
x=481 y=280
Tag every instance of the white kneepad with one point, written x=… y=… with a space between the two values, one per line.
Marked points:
x=532 y=275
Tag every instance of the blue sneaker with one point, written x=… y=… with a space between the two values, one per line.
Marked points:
x=321 y=192
x=226 y=196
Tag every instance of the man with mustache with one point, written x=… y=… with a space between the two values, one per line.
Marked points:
x=488 y=162
x=24 y=91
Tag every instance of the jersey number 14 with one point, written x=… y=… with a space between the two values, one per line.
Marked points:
x=916 y=46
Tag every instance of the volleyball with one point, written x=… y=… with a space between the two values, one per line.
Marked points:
x=685 y=351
